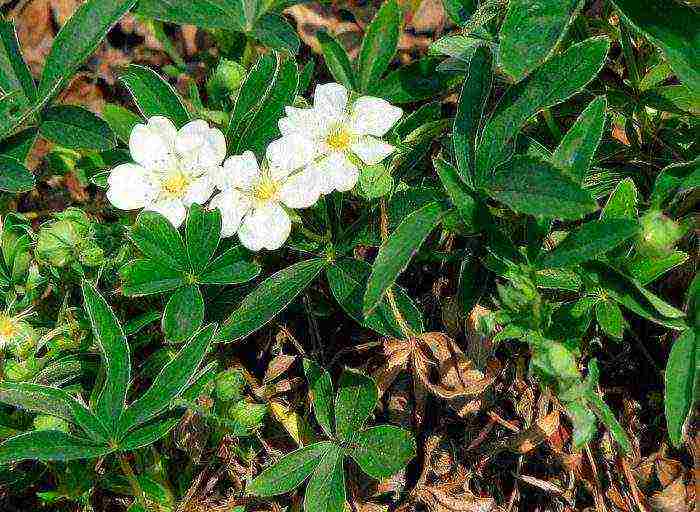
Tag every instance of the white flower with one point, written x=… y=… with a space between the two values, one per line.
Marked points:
x=252 y=200
x=173 y=168
x=338 y=131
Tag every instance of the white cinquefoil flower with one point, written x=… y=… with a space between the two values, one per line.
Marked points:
x=340 y=131
x=252 y=200
x=173 y=168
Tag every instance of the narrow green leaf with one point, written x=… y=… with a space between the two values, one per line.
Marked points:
x=533 y=186
x=202 y=233
x=275 y=32
x=589 y=241
x=326 y=489
x=418 y=81
x=269 y=299
x=321 y=391
x=14 y=73
x=232 y=267
x=470 y=210
x=396 y=253
x=674 y=179
x=622 y=203
x=576 y=150
x=607 y=417
x=470 y=111
x=14 y=177
x=356 y=399
x=153 y=95
x=555 y=81
x=146 y=277
x=290 y=471
x=78 y=38
x=121 y=120
x=254 y=89
x=169 y=383
x=49 y=445
x=379 y=45
x=211 y=14
x=148 y=434
x=110 y=339
x=610 y=318
x=383 y=451
x=184 y=314
x=157 y=239
x=337 y=60
x=76 y=128
x=647 y=269
x=531 y=32
x=682 y=371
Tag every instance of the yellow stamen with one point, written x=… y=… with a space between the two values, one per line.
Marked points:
x=266 y=190
x=8 y=327
x=339 y=138
x=176 y=184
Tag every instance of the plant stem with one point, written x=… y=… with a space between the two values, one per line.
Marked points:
x=133 y=481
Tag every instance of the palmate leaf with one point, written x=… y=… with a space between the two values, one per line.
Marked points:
x=202 y=234
x=326 y=489
x=146 y=277
x=321 y=390
x=153 y=95
x=233 y=266
x=356 y=399
x=14 y=73
x=383 y=451
x=157 y=239
x=379 y=45
x=183 y=315
x=49 y=445
x=253 y=91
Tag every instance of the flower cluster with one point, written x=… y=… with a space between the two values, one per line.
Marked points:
x=320 y=150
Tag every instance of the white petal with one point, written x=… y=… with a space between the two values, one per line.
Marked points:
x=336 y=172
x=152 y=144
x=200 y=145
x=299 y=120
x=301 y=190
x=372 y=151
x=199 y=191
x=289 y=154
x=171 y=209
x=131 y=187
x=373 y=116
x=266 y=227
x=239 y=171
x=233 y=206
x=331 y=101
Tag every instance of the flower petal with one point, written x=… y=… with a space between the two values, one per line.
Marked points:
x=200 y=146
x=372 y=151
x=331 y=101
x=373 y=116
x=171 y=209
x=152 y=144
x=299 y=120
x=335 y=172
x=233 y=206
x=300 y=190
x=199 y=191
x=290 y=153
x=239 y=171
x=131 y=187
x=265 y=227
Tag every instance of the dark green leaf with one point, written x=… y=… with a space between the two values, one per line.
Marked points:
x=254 y=89
x=19 y=145
x=233 y=267
x=76 y=128
x=383 y=451
x=610 y=318
x=49 y=445
x=356 y=399
x=622 y=203
x=607 y=417
x=321 y=391
x=326 y=489
x=417 y=81
x=337 y=60
x=202 y=234
x=14 y=74
x=674 y=179
x=157 y=239
x=120 y=120
x=153 y=95
x=681 y=374
x=146 y=277
x=275 y=32
x=470 y=210
x=379 y=45
x=211 y=14
x=184 y=314
x=148 y=434
x=14 y=177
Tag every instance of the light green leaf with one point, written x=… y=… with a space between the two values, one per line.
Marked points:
x=396 y=253
x=290 y=471
x=607 y=417
x=76 y=128
x=383 y=451
x=202 y=233
x=157 y=239
x=610 y=318
x=146 y=277
x=183 y=315
x=49 y=445
x=120 y=120
x=531 y=32
x=232 y=267
x=356 y=399
x=375 y=181
x=14 y=73
x=153 y=95
x=647 y=269
x=337 y=60
x=148 y=434
x=533 y=186
x=379 y=45
x=622 y=203
x=682 y=372
x=14 y=177
x=269 y=299
x=321 y=391
x=115 y=351
x=584 y=422
x=78 y=38
x=326 y=489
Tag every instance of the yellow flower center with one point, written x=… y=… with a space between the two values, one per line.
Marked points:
x=176 y=184
x=8 y=327
x=339 y=138
x=266 y=190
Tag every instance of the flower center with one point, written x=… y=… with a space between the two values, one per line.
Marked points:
x=339 y=138
x=8 y=327
x=266 y=190
x=176 y=184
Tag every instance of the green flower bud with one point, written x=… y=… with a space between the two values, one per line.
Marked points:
x=64 y=241
x=225 y=80
x=229 y=385
x=659 y=234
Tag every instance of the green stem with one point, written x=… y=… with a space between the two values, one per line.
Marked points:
x=133 y=481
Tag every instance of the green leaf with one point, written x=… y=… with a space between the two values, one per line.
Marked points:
x=356 y=399
x=647 y=269
x=326 y=489
x=169 y=383
x=555 y=81
x=674 y=179
x=76 y=128
x=682 y=372
x=49 y=445
x=470 y=210
x=396 y=253
x=589 y=241
x=275 y=32
x=269 y=299
x=531 y=32
x=146 y=277
x=607 y=417
x=576 y=150
x=53 y=402
x=321 y=391
x=19 y=145
x=202 y=233
x=533 y=186
x=211 y=14
x=383 y=451
x=418 y=81
x=622 y=203
x=157 y=239
x=254 y=89
x=379 y=45
x=610 y=318
x=375 y=181
x=153 y=95
x=233 y=267
x=148 y=434
x=347 y=279
x=460 y=10
x=673 y=26
x=584 y=422
x=110 y=339
x=290 y=471
x=184 y=314
x=14 y=177
x=78 y=39
x=337 y=60
x=470 y=111
x=121 y=120
x=14 y=73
